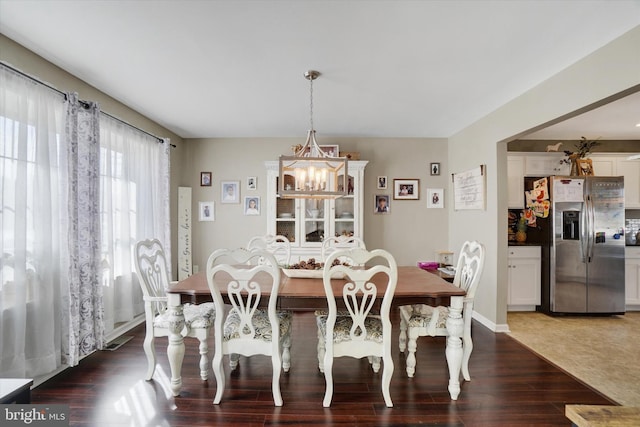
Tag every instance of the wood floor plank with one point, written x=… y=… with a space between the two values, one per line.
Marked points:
x=510 y=386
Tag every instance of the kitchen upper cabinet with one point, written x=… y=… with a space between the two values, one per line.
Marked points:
x=515 y=181
x=546 y=164
x=630 y=169
x=632 y=277
x=524 y=272
x=618 y=165
x=307 y=222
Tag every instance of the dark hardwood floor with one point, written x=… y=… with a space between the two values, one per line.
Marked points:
x=510 y=386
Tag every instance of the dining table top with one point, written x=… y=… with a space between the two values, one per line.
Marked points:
x=414 y=286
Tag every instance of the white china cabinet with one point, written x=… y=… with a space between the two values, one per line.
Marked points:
x=307 y=222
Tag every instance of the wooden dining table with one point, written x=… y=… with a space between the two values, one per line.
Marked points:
x=414 y=286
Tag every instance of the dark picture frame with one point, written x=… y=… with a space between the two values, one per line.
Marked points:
x=205 y=179
x=406 y=189
x=434 y=168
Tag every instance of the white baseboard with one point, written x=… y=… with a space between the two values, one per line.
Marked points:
x=491 y=325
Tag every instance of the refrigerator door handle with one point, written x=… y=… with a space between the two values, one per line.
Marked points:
x=584 y=235
x=590 y=228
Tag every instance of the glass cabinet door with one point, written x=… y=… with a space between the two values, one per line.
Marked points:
x=314 y=226
x=344 y=211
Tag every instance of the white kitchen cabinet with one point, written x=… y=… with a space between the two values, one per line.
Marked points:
x=632 y=278
x=306 y=222
x=524 y=291
x=603 y=165
x=630 y=169
x=515 y=181
x=546 y=164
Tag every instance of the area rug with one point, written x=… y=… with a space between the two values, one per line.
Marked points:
x=602 y=352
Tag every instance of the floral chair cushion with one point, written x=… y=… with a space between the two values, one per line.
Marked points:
x=195 y=316
x=342 y=329
x=260 y=323
x=431 y=318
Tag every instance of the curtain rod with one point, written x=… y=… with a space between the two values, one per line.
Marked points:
x=161 y=140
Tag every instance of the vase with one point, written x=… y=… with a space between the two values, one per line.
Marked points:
x=574 y=168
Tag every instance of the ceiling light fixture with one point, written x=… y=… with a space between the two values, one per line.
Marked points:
x=311 y=172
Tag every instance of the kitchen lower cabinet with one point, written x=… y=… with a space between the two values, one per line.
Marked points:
x=523 y=278
x=632 y=278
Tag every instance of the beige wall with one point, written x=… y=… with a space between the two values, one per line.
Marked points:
x=411 y=232
x=613 y=69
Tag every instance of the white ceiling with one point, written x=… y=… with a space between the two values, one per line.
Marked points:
x=389 y=68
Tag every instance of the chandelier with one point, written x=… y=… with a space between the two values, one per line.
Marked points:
x=312 y=173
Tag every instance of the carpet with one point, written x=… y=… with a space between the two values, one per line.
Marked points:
x=602 y=352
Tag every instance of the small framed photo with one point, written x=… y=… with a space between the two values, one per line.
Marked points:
x=382 y=205
x=382 y=183
x=206 y=211
x=251 y=205
x=252 y=183
x=434 y=169
x=205 y=179
x=230 y=191
x=435 y=198
x=406 y=189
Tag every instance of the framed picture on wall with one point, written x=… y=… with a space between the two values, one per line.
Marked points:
x=434 y=169
x=382 y=205
x=230 y=191
x=406 y=189
x=251 y=205
x=205 y=179
x=205 y=211
x=252 y=183
x=382 y=183
x=435 y=198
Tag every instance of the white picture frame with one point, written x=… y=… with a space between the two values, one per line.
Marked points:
x=252 y=183
x=251 y=205
x=435 y=198
x=382 y=183
x=206 y=211
x=230 y=192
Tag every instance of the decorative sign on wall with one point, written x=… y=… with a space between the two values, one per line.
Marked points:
x=185 y=267
x=470 y=188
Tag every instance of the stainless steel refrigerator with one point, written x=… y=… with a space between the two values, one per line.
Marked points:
x=587 y=248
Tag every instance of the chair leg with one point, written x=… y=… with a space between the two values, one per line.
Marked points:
x=321 y=351
x=411 y=356
x=286 y=353
x=234 y=358
x=375 y=363
x=276 y=365
x=328 y=378
x=402 y=341
x=150 y=352
x=204 y=359
x=467 y=348
x=387 y=373
x=219 y=374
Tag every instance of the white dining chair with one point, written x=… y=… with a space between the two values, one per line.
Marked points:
x=248 y=328
x=279 y=246
x=332 y=244
x=421 y=320
x=153 y=276
x=360 y=333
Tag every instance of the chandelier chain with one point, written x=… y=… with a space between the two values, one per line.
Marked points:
x=311 y=103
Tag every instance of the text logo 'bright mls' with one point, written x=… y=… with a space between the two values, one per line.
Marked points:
x=34 y=415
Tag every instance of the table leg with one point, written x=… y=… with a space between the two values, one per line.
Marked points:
x=455 y=328
x=175 y=349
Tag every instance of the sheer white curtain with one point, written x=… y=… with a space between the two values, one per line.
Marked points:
x=33 y=174
x=134 y=191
